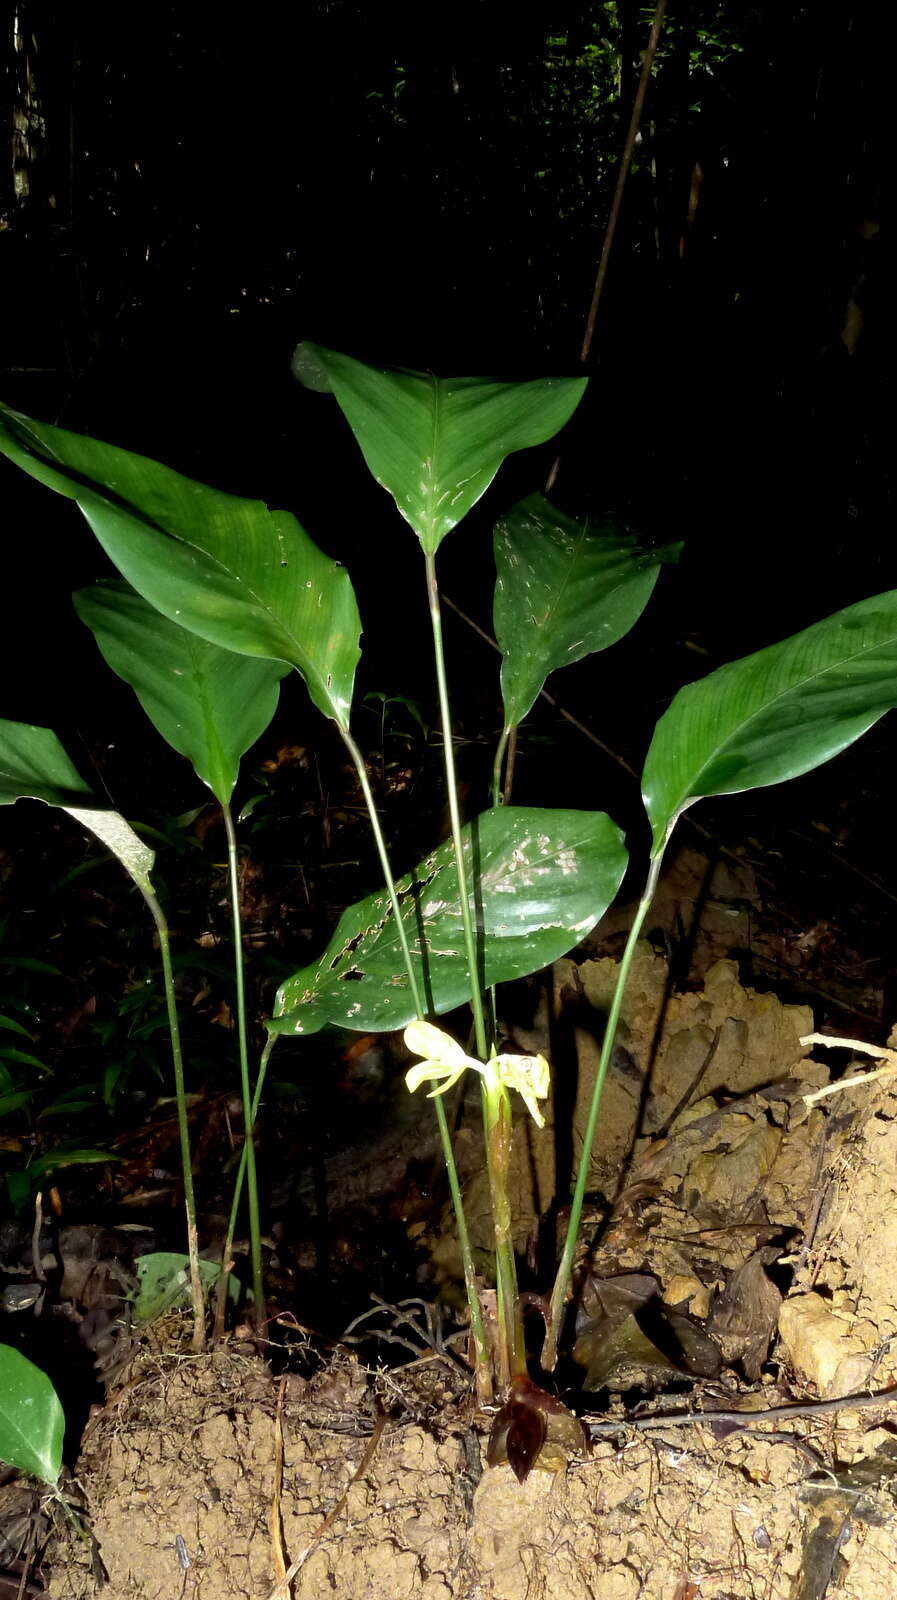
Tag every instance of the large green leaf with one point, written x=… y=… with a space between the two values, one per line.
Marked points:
x=32 y=1423
x=34 y=766
x=436 y=443
x=209 y=703
x=543 y=879
x=564 y=589
x=774 y=714
x=245 y=578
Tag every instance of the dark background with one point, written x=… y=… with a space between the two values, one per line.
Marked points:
x=186 y=192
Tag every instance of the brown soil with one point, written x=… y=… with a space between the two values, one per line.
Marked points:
x=722 y=1155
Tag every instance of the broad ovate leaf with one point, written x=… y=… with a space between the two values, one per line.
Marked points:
x=775 y=714
x=244 y=577
x=539 y=880
x=32 y=1423
x=34 y=766
x=209 y=703
x=436 y=443
x=564 y=589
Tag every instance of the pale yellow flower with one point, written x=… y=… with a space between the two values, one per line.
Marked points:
x=445 y=1062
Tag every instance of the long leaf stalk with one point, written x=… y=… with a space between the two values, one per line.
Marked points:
x=228 y=1249
x=199 y=1318
x=477 y=1323
x=470 y=943
x=498 y=764
x=496 y=1102
x=255 y=1233
x=562 y=1280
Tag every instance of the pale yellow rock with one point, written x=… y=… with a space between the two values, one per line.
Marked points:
x=823 y=1348
x=684 y=1287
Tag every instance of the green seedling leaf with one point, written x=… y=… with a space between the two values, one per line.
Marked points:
x=564 y=589
x=436 y=443
x=34 y=766
x=26 y=963
x=14 y=1027
x=245 y=578
x=209 y=703
x=164 y=1279
x=14 y=1101
x=775 y=714
x=54 y=1160
x=23 y=1057
x=542 y=880
x=32 y=1423
x=18 y=1188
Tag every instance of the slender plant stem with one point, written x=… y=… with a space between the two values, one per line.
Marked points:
x=509 y=770
x=255 y=1232
x=228 y=1249
x=380 y=842
x=498 y=798
x=511 y=1345
x=477 y=1324
x=497 y=1128
x=617 y=202
x=562 y=1281
x=199 y=1319
x=476 y=998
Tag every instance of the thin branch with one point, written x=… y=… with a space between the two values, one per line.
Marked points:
x=282 y=1588
x=742 y=1419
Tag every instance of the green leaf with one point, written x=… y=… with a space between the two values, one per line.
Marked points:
x=15 y=1100
x=243 y=577
x=564 y=589
x=164 y=1279
x=24 y=1058
x=543 y=879
x=32 y=1423
x=25 y=963
x=775 y=714
x=34 y=766
x=14 y=1027
x=436 y=443
x=209 y=703
x=55 y=1159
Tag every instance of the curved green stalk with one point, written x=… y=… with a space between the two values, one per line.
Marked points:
x=228 y=1250
x=497 y=796
x=361 y=769
x=255 y=1234
x=199 y=1319
x=477 y=1325
x=562 y=1281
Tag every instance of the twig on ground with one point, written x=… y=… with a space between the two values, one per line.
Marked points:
x=282 y=1586
x=742 y=1419
x=833 y=1042
x=278 y=1558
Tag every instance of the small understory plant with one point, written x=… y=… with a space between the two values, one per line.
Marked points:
x=516 y=887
